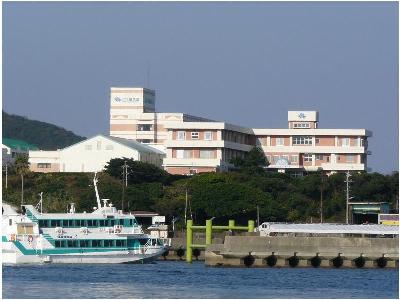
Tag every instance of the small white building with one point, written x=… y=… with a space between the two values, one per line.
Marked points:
x=91 y=155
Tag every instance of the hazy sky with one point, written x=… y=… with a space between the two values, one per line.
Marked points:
x=243 y=63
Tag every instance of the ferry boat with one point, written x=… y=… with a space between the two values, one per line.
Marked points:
x=106 y=235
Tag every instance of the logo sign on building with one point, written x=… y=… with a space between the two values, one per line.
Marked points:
x=301 y=115
x=131 y=100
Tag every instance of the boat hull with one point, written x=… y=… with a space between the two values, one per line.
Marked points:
x=14 y=256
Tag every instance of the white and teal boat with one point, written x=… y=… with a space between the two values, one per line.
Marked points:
x=103 y=236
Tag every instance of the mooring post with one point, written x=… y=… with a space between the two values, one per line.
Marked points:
x=208 y=232
x=231 y=224
x=251 y=225
x=189 y=240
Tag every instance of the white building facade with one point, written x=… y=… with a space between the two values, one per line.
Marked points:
x=92 y=155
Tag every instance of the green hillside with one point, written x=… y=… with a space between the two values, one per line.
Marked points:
x=45 y=136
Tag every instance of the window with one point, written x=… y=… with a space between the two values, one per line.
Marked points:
x=44 y=165
x=180 y=153
x=319 y=157
x=144 y=127
x=109 y=147
x=144 y=141
x=280 y=141
x=181 y=135
x=195 y=135
x=10 y=222
x=108 y=243
x=307 y=157
x=88 y=147
x=302 y=140
x=98 y=145
x=187 y=154
x=301 y=125
x=294 y=159
x=207 y=154
x=316 y=140
x=345 y=142
x=208 y=135
x=350 y=158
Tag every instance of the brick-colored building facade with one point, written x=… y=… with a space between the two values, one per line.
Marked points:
x=194 y=144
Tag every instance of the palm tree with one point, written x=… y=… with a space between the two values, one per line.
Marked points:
x=21 y=167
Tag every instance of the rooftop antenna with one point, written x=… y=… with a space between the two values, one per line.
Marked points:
x=95 y=180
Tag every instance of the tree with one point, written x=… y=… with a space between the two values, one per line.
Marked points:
x=138 y=172
x=21 y=167
x=253 y=161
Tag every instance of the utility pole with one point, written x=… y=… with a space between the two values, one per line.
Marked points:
x=348 y=175
x=258 y=216
x=320 y=203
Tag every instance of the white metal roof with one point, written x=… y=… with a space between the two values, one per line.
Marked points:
x=330 y=228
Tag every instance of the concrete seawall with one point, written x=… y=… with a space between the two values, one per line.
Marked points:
x=256 y=251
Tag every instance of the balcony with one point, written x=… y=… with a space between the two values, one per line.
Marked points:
x=191 y=162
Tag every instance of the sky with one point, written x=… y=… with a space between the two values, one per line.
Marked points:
x=242 y=63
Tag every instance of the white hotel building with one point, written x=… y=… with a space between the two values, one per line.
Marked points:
x=193 y=144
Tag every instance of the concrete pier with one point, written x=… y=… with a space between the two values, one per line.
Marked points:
x=335 y=252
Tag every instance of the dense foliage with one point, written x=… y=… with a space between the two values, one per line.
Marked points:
x=279 y=197
x=43 y=135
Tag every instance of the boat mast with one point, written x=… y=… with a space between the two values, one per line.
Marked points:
x=95 y=180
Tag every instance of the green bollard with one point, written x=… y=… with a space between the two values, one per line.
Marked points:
x=208 y=232
x=231 y=224
x=251 y=225
x=189 y=240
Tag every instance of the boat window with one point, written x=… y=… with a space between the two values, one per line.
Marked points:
x=58 y=244
x=108 y=243
x=131 y=222
x=143 y=241
x=63 y=244
x=70 y=244
x=71 y=223
x=101 y=223
x=112 y=222
x=89 y=223
x=83 y=244
x=96 y=243
x=95 y=223
x=121 y=221
x=120 y=243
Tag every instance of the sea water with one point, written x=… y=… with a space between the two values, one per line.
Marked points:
x=181 y=280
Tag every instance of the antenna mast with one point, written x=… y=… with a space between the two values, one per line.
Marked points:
x=95 y=180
